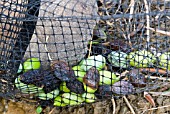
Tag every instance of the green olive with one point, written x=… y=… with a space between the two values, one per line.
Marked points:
x=98 y=61
x=164 y=60
x=79 y=73
x=59 y=102
x=141 y=58
x=63 y=87
x=24 y=88
x=46 y=96
x=39 y=109
x=72 y=98
x=107 y=78
x=118 y=59
x=89 y=97
x=31 y=64
x=89 y=89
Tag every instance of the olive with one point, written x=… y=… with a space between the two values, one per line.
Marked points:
x=72 y=98
x=62 y=71
x=122 y=87
x=75 y=86
x=119 y=88
x=39 y=109
x=25 y=88
x=91 y=80
x=164 y=60
x=136 y=78
x=79 y=73
x=40 y=78
x=104 y=91
x=63 y=87
x=59 y=102
x=118 y=59
x=107 y=77
x=98 y=61
x=31 y=64
x=46 y=96
x=89 y=97
x=141 y=58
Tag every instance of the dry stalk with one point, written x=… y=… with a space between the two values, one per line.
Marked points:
x=114 y=105
x=46 y=41
x=156 y=77
x=166 y=106
x=128 y=104
x=132 y=3
x=148 y=22
x=159 y=31
x=90 y=48
x=160 y=93
x=120 y=1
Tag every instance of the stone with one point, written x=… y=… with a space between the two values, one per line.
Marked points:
x=63 y=30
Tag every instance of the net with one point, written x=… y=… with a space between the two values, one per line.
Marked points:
x=73 y=51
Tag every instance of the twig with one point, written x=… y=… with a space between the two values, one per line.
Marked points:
x=90 y=48
x=154 y=70
x=148 y=22
x=46 y=41
x=120 y=1
x=132 y=3
x=139 y=27
x=167 y=93
x=164 y=88
x=114 y=105
x=156 y=77
x=128 y=104
x=166 y=106
x=159 y=31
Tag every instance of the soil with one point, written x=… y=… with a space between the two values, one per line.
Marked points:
x=138 y=103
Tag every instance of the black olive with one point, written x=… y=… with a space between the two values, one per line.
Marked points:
x=92 y=78
x=104 y=91
x=122 y=88
x=44 y=79
x=137 y=78
x=63 y=71
x=75 y=86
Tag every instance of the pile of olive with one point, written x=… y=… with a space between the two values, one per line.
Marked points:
x=88 y=80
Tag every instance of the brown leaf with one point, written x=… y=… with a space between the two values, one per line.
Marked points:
x=149 y=98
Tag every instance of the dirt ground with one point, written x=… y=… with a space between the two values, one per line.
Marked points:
x=138 y=103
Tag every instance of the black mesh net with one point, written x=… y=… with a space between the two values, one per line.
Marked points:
x=68 y=52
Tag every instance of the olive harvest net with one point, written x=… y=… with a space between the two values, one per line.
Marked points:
x=68 y=52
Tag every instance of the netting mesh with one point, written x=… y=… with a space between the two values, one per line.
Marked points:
x=73 y=51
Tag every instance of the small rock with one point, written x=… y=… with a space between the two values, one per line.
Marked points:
x=159 y=100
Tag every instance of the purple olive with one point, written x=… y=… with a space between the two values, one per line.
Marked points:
x=92 y=78
x=122 y=87
x=63 y=71
x=75 y=86
x=136 y=78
